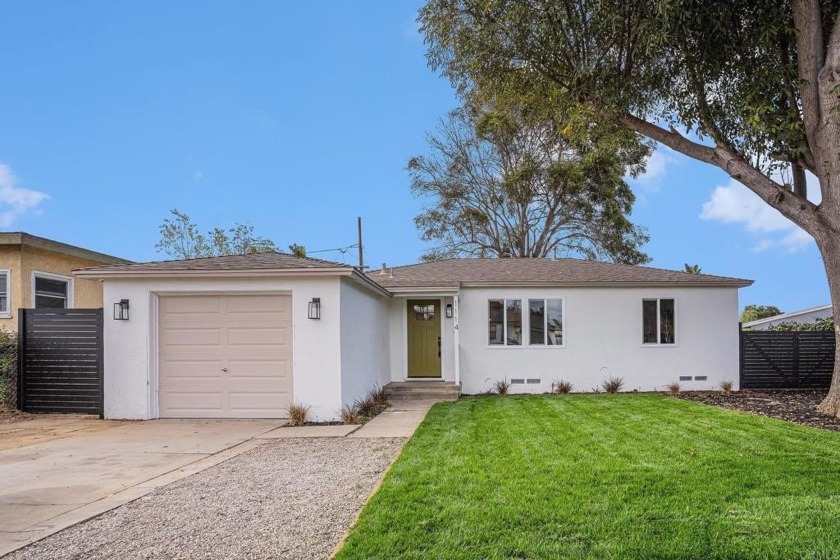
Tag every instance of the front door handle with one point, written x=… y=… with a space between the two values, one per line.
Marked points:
x=438 y=347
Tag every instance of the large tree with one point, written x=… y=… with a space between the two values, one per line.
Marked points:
x=180 y=238
x=752 y=88
x=507 y=184
x=755 y=312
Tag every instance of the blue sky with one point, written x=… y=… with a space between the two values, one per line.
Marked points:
x=294 y=118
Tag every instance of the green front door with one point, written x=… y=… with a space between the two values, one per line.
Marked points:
x=423 y=338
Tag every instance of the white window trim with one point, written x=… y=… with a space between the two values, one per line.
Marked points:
x=8 y=313
x=49 y=275
x=522 y=302
x=658 y=344
x=545 y=322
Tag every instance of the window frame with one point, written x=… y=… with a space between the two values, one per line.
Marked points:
x=522 y=311
x=52 y=276
x=7 y=314
x=545 y=301
x=658 y=343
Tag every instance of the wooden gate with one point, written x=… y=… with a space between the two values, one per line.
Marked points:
x=60 y=360
x=786 y=360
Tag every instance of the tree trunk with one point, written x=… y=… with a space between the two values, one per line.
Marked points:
x=830 y=249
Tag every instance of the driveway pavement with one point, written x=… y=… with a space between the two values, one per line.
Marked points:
x=57 y=471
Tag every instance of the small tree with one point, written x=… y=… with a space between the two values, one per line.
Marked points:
x=297 y=250
x=756 y=312
x=692 y=268
x=181 y=239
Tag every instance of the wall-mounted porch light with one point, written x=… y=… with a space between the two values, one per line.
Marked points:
x=121 y=310
x=448 y=310
x=315 y=308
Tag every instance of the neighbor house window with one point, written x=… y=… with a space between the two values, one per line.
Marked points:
x=505 y=322
x=545 y=318
x=658 y=321
x=4 y=293
x=51 y=292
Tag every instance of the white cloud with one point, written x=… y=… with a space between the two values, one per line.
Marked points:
x=733 y=203
x=660 y=162
x=198 y=176
x=16 y=201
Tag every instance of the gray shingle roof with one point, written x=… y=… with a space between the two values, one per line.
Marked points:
x=454 y=272
x=256 y=261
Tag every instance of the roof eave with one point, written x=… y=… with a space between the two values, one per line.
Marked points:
x=103 y=274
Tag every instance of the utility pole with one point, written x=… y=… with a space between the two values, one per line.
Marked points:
x=361 y=249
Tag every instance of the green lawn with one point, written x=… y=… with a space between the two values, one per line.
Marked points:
x=605 y=476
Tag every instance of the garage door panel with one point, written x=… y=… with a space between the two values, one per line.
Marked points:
x=225 y=356
x=258 y=305
x=247 y=400
x=263 y=369
x=191 y=370
x=190 y=337
x=186 y=306
x=191 y=403
x=251 y=336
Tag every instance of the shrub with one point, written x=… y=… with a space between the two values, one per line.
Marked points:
x=726 y=387
x=367 y=406
x=8 y=370
x=298 y=414
x=349 y=415
x=561 y=387
x=613 y=384
x=379 y=396
x=673 y=389
x=501 y=387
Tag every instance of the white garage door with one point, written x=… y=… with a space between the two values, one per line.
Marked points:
x=225 y=356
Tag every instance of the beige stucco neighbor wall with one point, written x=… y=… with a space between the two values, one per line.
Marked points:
x=22 y=260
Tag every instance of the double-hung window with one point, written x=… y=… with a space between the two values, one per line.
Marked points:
x=51 y=291
x=658 y=321
x=545 y=322
x=505 y=328
x=5 y=306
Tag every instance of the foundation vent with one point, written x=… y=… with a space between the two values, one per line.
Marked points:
x=534 y=381
x=517 y=381
x=685 y=378
x=699 y=378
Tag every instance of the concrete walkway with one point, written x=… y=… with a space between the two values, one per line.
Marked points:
x=82 y=472
x=400 y=419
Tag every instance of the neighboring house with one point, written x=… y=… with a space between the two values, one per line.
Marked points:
x=245 y=336
x=810 y=315
x=37 y=272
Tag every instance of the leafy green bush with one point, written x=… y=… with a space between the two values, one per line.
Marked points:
x=824 y=324
x=8 y=370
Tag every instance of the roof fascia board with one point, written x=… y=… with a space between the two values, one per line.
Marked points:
x=25 y=239
x=718 y=284
x=424 y=290
x=105 y=274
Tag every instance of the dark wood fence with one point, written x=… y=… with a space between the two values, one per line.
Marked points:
x=60 y=360
x=786 y=360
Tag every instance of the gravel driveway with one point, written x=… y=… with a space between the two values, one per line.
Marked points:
x=290 y=498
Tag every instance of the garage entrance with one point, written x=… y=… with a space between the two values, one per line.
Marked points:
x=225 y=356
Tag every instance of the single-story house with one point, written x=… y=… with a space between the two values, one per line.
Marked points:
x=36 y=272
x=244 y=336
x=809 y=315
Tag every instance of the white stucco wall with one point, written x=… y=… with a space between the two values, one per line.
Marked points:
x=365 y=351
x=398 y=337
x=603 y=337
x=130 y=346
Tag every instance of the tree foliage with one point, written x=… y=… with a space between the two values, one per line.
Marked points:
x=505 y=183
x=823 y=324
x=756 y=312
x=692 y=268
x=297 y=250
x=180 y=238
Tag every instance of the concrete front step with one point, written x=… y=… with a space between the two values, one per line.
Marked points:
x=423 y=390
